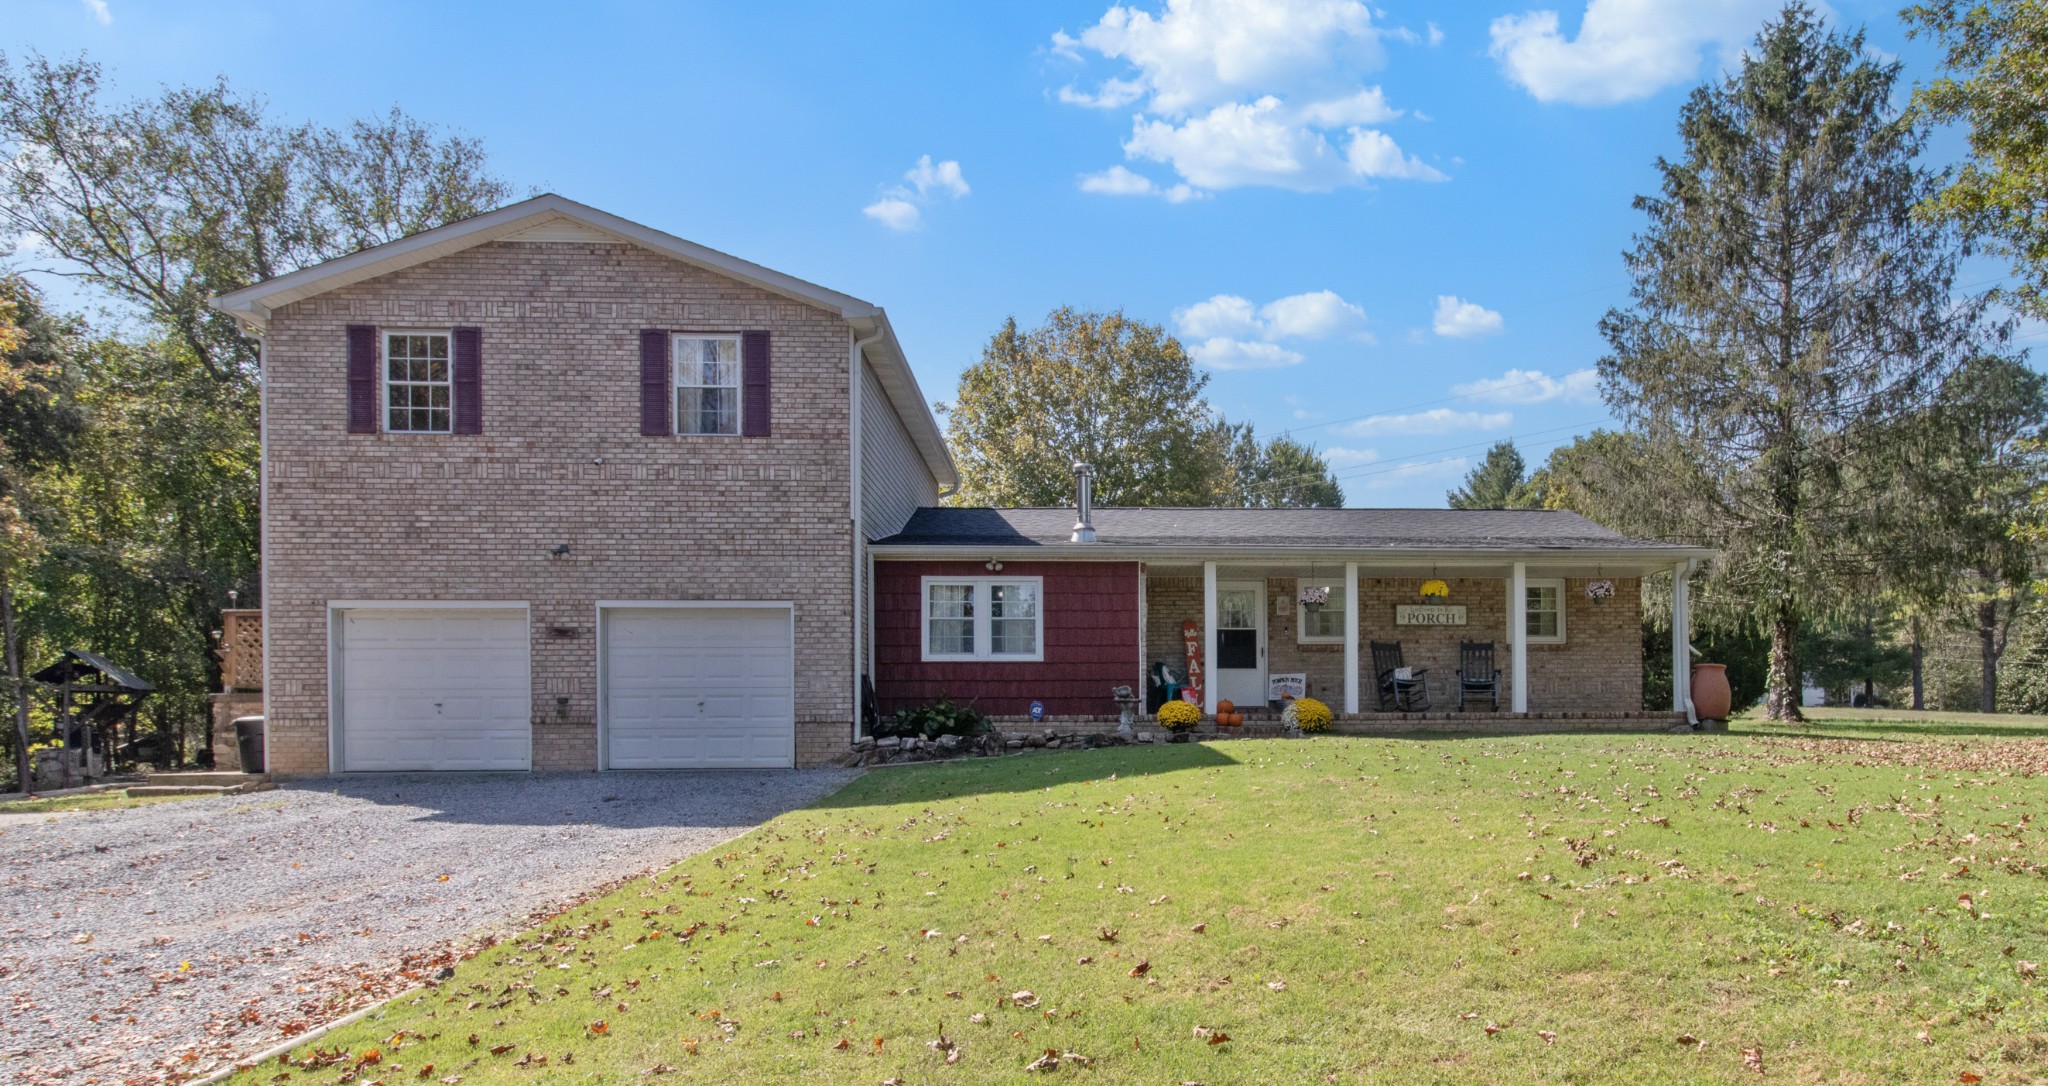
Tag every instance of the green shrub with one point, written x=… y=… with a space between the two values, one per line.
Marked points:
x=933 y=719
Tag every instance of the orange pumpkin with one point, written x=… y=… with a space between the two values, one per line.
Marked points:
x=1226 y=706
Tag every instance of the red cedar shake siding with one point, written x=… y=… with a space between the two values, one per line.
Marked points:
x=1090 y=612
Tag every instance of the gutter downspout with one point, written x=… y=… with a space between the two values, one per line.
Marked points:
x=855 y=361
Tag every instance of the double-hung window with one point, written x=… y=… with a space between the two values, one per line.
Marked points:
x=1545 y=619
x=707 y=371
x=419 y=395
x=1324 y=625
x=983 y=618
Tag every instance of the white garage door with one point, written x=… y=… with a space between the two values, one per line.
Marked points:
x=432 y=688
x=699 y=688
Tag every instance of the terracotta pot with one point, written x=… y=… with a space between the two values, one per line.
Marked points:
x=1711 y=697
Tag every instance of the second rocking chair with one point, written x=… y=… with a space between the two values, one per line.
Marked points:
x=1476 y=674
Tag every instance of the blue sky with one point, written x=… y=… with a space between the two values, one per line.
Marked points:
x=1391 y=230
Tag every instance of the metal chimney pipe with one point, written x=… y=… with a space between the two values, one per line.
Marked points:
x=1084 y=504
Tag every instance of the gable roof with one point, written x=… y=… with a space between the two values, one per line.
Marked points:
x=1478 y=532
x=552 y=217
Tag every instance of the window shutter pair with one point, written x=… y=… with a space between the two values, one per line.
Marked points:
x=465 y=344
x=657 y=390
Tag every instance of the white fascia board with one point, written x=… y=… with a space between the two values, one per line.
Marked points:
x=892 y=369
x=254 y=304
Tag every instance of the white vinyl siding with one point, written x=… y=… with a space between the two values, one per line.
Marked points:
x=894 y=480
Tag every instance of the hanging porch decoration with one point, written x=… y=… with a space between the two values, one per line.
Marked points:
x=1599 y=591
x=1435 y=589
x=1314 y=596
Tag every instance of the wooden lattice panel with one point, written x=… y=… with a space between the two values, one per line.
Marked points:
x=241 y=653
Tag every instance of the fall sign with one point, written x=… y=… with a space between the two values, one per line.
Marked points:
x=1191 y=640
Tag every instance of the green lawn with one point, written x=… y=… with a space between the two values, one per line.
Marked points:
x=1567 y=909
x=1898 y=724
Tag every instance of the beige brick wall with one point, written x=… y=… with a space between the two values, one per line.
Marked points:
x=400 y=517
x=1597 y=669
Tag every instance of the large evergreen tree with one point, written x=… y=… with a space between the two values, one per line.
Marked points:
x=1790 y=316
x=1500 y=481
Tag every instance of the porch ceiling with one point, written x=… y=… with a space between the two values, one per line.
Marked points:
x=1333 y=571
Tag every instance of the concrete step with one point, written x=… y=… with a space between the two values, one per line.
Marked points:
x=143 y=790
x=191 y=776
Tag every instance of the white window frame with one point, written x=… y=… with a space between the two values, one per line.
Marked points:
x=1530 y=612
x=983 y=640
x=1301 y=634
x=675 y=384
x=384 y=378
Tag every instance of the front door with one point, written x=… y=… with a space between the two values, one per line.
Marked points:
x=1240 y=671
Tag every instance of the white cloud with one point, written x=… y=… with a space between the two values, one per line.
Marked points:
x=945 y=177
x=901 y=207
x=1222 y=315
x=1236 y=334
x=1249 y=92
x=1441 y=420
x=1340 y=457
x=1315 y=315
x=1450 y=467
x=99 y=11
x=1625 y=49
x=895 y=213
x=1221 y=353
x=1198 y=53
x=1460 y=319
x=1113 y=94
x=1118 y=181
x=1534 y=386
x=1436 y=34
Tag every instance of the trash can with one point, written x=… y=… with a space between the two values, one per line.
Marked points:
x=249 y=740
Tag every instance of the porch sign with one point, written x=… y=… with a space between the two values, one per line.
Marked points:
x=1429 y=614
x=1191 y=641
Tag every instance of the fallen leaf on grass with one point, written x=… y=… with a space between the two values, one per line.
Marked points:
x=1492 y=1029
x=1969 y=1076
x=1549 y=1038
x=1026 y=998
x=841 y=1045
x=1753 y=1058
x=600 y=1027
x=1688 y=1040
x=1277 y=985
x=1199 y=928
x=1142 y=968
x=659 y=1069
x=1048 y=1062
x=499 y=1050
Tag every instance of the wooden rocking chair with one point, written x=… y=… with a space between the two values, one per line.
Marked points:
x=1397 y=694
x=1476 y=673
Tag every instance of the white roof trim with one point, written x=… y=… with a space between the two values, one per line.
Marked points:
x=252 y=305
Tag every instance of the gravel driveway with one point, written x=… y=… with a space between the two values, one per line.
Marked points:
x=172 y=937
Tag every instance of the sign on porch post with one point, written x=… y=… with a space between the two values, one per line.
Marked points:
x=1429 y=614
x=1191 y=640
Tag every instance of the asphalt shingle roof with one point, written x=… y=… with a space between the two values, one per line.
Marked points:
x=1478 y=529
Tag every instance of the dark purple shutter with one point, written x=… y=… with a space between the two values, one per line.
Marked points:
x=362 y=379
x=754 y=384
x=469 y=380
x=654 y=383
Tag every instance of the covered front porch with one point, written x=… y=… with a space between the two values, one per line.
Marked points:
x=1579 y=654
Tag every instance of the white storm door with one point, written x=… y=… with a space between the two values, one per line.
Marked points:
x=1240 y=671
x=699 y=687
x=433 y=688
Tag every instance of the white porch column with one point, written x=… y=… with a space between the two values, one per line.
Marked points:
x=1518 y=625
x=1209 y=637
x=1681 y=641
x=1350 y=637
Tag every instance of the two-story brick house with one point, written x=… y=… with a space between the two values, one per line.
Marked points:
x=548 y=489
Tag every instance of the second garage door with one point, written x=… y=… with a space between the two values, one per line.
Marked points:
x=699 y=687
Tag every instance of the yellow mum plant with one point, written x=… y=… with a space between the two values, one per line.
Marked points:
x=1311 y=715
x=1435 y=589
x=1179 y=716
